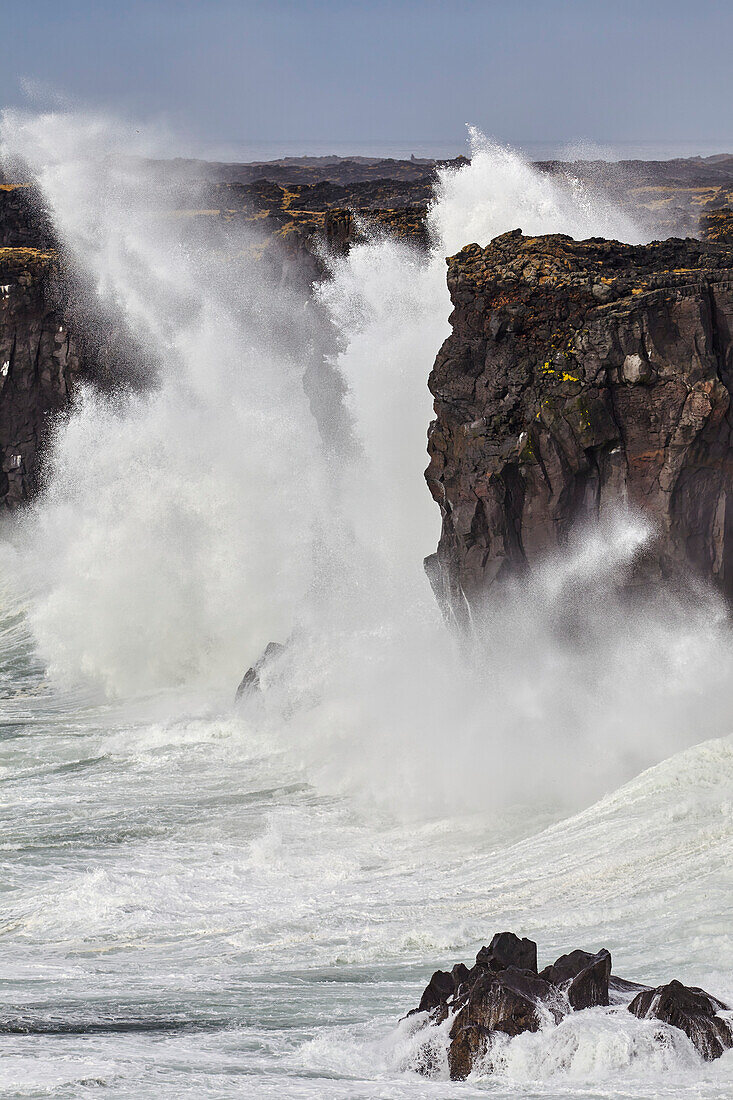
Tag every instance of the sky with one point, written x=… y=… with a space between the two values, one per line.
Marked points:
x=312 y=76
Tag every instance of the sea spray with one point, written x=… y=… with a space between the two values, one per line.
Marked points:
x=174 y=534
x=185 y=877
x=183 y=528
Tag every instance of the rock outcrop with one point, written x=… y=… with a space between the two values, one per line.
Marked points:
x=691 y=1010
x=503 y=993
x=40 y=360
x=581 y=376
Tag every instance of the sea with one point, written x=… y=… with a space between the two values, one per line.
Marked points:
x=208 y=897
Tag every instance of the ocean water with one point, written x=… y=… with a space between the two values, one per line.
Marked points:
x=208 y=899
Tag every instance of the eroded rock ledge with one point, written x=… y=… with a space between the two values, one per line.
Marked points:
x=580 y=376
x=504 y=995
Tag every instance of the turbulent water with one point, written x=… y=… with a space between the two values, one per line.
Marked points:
x=204 y=899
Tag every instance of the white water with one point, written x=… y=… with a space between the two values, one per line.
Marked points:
x=249 y=898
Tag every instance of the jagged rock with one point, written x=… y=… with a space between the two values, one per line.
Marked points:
x=581 y=376
x=468 y=1045
x=584 y=977
x=506 y=1000
x=499 y=1000
x=494 y=997
x=251 y=682
x=439 y=989
x=717 y=224
x=505 y=950
x=693 y=1011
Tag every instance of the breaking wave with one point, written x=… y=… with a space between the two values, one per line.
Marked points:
x=182 y=843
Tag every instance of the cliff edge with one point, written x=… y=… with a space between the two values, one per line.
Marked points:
x=579 y=376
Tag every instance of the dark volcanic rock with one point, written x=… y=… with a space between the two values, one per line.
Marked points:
x=716 y=224
x=469 y=1044
x=692 y=1010
x=439 y=989
x=497 y=996
x=581 y=376
x=589 y=988
x=40 y=361
x=22 y=221
x=584 y=977
x=505 y=950
x=504 y=1000
x=507 y=1000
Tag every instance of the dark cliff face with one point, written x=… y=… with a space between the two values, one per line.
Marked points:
x=40 y=360
x=22 y=223
x=53 y=335
x=581 y=376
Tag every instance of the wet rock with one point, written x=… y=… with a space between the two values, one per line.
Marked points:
x=584 y=977
x=612 y=393
x=467 y=1047
x=590 y=986
x=495 y=996
x=693 y=1011
x=459 y=974
x=505 y=950
x=499 y=1000
x=438 y=991
x=250 y=682
x=507 y=1000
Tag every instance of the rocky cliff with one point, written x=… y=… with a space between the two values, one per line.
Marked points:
x=46 y=348
x=39 y=362
x=580 y=376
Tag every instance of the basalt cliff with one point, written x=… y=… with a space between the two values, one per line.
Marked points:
x=581 y=376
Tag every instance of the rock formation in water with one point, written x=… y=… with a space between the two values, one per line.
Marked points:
x=504 y=994
x=581 y=376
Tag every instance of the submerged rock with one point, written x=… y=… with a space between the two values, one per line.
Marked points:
x=693 y=1011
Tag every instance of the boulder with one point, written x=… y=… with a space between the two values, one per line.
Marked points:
x=505 y=950
x=438 y=991
x=584 y=977
x=507 y=1000
x=692 y=1010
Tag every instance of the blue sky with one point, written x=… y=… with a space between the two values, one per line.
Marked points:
x=308 y=74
